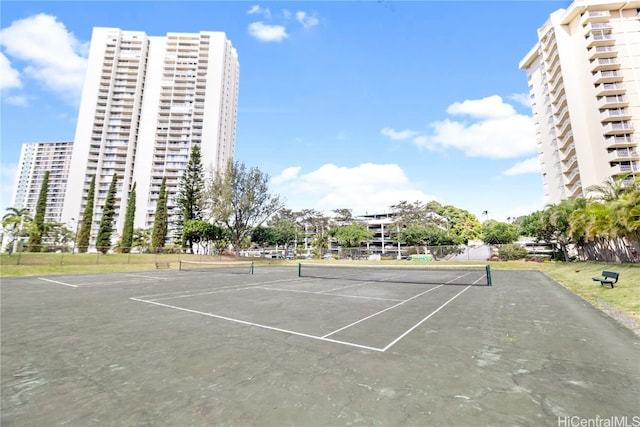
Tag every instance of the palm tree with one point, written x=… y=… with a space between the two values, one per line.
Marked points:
x=15 y=222
x=611 y=189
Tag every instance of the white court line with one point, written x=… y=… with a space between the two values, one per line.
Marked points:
x=148 y=277
x=286 y=331
x=325 y=293
x=424 y=320
x=230 y=287
x=116 y=282
x=381 y=311
x=56 y=282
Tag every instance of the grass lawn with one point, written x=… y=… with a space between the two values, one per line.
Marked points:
x=622 y=302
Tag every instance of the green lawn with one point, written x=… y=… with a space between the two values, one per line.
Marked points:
x=576 y=276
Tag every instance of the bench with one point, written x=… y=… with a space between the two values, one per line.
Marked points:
x=607 y=277
x=162 y=265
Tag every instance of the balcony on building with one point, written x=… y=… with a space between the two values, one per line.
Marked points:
x=613 y=101
x=570 y=164
x=617 y=128
x=615 y=114
x=608 y=89
x=623 y=154
x=555 y=82
x=563 y=114
x=600 y=39
x=559 y=101
x=605 y=64
x=624 y=168
x=619 y=141
x=597 y=27
x=592 y=16
x=554 y=69
x=602 y=52
x=571 y=176
x=553 y=58
x=574 y=190
x=562 y=127
x=565 y=141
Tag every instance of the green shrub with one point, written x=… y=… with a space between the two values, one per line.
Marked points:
x=512 y=251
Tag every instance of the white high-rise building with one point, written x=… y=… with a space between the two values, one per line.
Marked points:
x=146 y=101
x=35 y=159
x=584 y=83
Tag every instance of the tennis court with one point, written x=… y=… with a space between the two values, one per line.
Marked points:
x=290 y=346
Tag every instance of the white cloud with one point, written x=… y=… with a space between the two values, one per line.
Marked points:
x=256 y=9
x=399 y=135
x=17 y=100
x=486 y=108
x=288 y=174
x=54 y=56
x=531 y=165
x=521 y=98
x=267 y=33
x=306 y=20
x=495 y=130
x=286 y=14
x=10 y=76
x=364 y=188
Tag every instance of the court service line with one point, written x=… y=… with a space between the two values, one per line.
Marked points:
x=325 y=293
x=57 y=282
x=272 y=328
x=339 y=288
x=148 y=277
x=425 y=319
x=380 y=312
x=230 y=287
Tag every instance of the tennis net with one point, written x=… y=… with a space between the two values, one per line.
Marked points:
x=478 y=275
x=235 y=267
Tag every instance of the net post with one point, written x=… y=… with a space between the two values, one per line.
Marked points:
x=251 y=267
x=489 y=275
x=299 y=269
x=180 y=265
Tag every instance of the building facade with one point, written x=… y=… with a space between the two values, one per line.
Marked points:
x=35 y=159
x=146 y=101
x=584 y=85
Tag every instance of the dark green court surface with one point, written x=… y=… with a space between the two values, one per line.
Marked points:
x=178 y=348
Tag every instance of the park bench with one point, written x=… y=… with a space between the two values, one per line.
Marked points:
x=607 y=277
x=162 y=265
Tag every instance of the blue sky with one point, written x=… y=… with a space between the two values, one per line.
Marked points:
x=355 y=105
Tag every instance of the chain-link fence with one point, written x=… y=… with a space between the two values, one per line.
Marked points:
x=56 y=255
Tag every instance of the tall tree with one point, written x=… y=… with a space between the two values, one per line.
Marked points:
x=159 y=233
x=240 y=200
x=190 y=196
x=37 y=226
x=316 y=226
x=84 y=234
x=103 y=240
x=15 y=222
x=343 y=216
x=497 y=233
x=263 y=236
x=352 y=235
x=127 y=232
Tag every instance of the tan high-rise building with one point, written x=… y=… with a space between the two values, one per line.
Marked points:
x=36 y=159
x=146 y=101
x=584 y=83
